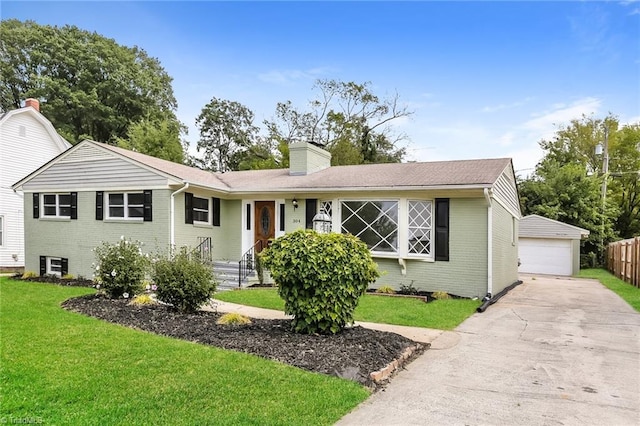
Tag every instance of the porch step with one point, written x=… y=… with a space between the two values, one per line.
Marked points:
x=226 y=275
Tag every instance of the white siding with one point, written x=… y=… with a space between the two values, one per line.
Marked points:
x=25 y=145
x=505 y=191
x=535 y=226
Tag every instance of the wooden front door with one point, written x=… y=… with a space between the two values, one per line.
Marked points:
x=264 y=225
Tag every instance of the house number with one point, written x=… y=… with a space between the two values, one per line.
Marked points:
x=296 y=220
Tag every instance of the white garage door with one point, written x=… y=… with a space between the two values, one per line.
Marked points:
x=542 y=256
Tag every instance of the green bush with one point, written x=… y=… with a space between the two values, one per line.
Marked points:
x=121 y=267
x=320 y=277
x=385 y=289
x=233 y=318
x=183 y=281
x=440 y=295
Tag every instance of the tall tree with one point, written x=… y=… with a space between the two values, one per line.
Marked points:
x=624 y=169
x=89 y=86
x=558 y=189
x=159 y=139
x=348 y=119
x=226 y=130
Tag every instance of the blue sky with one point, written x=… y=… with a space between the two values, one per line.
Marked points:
x=485 y=79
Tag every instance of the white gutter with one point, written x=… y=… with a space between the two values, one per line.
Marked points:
x=487 y=196
x=172 y=237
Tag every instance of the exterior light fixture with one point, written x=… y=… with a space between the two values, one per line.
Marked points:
x=322 y=222
x=295 y=203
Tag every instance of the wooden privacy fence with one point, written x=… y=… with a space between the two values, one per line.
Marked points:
x=623 y=260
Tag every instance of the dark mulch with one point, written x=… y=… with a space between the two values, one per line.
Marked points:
x=353 y=353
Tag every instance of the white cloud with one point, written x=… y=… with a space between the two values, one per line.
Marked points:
x=560 y=114
x=291 y=76
x=494 y=108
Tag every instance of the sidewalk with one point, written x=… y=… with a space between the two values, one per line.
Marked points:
x=445 y=339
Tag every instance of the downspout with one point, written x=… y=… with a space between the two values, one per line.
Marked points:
x=172 y=237
x=487 y=196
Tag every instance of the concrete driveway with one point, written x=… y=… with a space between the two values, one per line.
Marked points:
x=551 y=352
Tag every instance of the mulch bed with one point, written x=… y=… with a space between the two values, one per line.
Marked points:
x=353 y=354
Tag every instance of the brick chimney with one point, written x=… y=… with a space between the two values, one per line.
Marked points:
x=34 y=103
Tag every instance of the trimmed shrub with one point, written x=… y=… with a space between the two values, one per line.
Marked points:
x=320 y=277
x=233 y=318
x=183 y=281
x=121 y=267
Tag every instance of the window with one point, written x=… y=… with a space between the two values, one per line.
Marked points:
x=327 y=206
x=378 y=223
x=374 y=222
x=56 y=205
x=51 y=265
x=420 y=222
x=1 y=231
x=201 y=210
x=126 y=205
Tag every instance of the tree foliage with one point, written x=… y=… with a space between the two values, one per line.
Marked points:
x=226 y=132
x=568 y=182
x=320 y=277
x=88 y=85
x=159 y=139
x=348 y=119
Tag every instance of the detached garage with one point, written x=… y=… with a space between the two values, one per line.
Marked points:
x=546 y=246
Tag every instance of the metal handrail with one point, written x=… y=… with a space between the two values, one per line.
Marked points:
x=203 y=250
x=247 y=263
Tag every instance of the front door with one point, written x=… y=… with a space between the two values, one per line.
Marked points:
x=265 y=227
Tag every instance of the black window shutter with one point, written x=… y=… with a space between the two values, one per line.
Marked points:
x=282 y=217
x=442 y=229
x=99 y=202
x=188 y=207
x=311 y=209
x=248 y=217
x=65 y=266
x=215 y=206
x=148 y=211
x=74 y=205
x=43 y=266
x=36 y=205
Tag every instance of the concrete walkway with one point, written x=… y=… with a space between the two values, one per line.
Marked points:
x=551 y=352
x=418 y=334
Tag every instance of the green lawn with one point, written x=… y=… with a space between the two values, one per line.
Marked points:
x=59 y=367
x=440 y=314
x=625 y=290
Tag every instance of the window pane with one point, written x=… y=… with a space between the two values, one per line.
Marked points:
x=64 y=199
x=50 y=210
x=200 y=216
x=65 y=211
x=201 y=203
x=50 y=199
x=116 y=199
x=374 y=222
x=116 y=211
x=420 y=224
x=135 y=199
x=136 y=211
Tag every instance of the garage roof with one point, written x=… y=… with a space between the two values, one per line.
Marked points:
x=534 y=226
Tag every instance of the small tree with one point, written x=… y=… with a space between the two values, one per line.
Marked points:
x=320 y=277
x=121 y=267
x=183 y=281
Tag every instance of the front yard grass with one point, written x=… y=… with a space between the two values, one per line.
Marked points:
x=623 y=289
x=59 y=367
x=440 y=314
